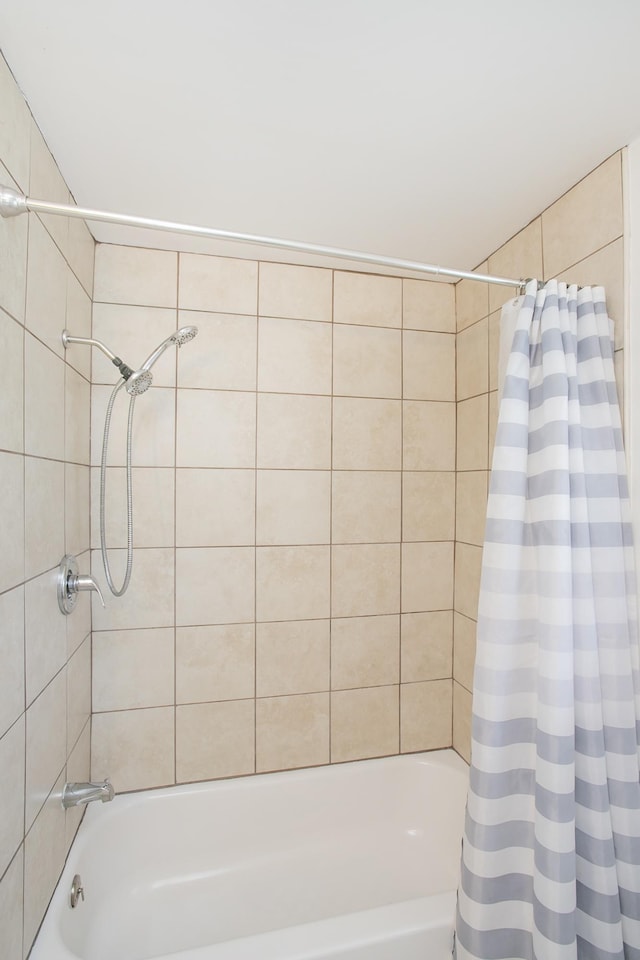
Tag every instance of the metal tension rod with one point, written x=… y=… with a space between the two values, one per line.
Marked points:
x=13 y=203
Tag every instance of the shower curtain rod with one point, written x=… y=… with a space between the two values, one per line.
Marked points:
x=13 y=203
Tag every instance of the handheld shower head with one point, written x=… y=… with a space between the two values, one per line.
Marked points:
x=183 y=335
x=177 y=338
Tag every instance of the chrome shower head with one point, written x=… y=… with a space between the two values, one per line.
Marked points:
x=177 y=338
x=183 y=335
x=139 y=382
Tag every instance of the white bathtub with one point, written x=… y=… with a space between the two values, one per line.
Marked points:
x=358 y=860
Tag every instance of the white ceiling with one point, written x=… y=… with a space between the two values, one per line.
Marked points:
x=416 y=129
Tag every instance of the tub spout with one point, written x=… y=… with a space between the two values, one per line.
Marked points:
x=73 y=794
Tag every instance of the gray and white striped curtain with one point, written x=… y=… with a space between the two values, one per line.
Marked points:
x=551 y=851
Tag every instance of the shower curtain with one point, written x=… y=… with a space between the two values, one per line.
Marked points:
x=550 y=864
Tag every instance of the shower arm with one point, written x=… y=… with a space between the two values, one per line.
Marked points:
x=13 y=203
x=124 y=369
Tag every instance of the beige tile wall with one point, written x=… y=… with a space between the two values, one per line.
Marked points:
x=292 y=595
x=46 y=278
x=578 y=239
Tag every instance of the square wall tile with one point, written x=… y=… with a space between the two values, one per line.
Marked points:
x=365 y=652
x=45 y=633
x=46 y=744
x=367 y=434
x=294 y=432
x=365 y=506
x=473 y=360
x=153 y=437
x=426 y=646
x=44 y=853
x=133 y=668
x=302 y=293
x=77 y=485
x=364 y=723
x=494 y=350
x=471 y=506
x=428 y=506
x=215 y=740
x=136 y=275
x=44 y=514
x=292 y=583
x=230 y=436
x=585 y=219
x=81 y=252
x=292 y=731
x=462 y=705
x=77 y=417
x=223 y=355
x=134 y=748
x=494 y=412
x=11 y=396
x=46 y=288
x=45 y=180
x=293 y=507
x=12 y=754
x=11 y=909
x=367 y=362
x=78 y=322
x=78 y=693
x=429 y=435
x=473 y=433
x=472 y=299
x=15 y=133
x=12 y=680
x=365 y=298
x=215 y=508
x=215 y=663
x=425 y=715
x=220 y=284
x=44 y=421
x=464 y=650
x=132 y=332
x=12 y=519
x=215 y=585
x=427 y=576
x=429 y=365
x=153 y=506
x=520 y=257
x=294 y=356
x=365 y=579
x=429 y=305
x=149 y=599
x=13 y=259
x=292 y=657
x=467 y=579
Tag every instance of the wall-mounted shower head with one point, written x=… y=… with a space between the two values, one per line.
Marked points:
x=138 y=382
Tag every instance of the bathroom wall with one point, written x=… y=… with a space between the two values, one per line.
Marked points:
x=579 y=239
x=291 y=602
x=46 y=278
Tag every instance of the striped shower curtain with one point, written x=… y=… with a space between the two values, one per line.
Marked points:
x=551 y=851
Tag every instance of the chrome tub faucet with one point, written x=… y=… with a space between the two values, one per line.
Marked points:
x=73 y=794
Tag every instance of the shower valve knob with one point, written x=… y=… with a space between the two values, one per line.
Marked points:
x=71 y=583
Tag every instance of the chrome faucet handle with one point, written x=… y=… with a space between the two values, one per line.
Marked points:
x=71 y=583
x=85 y=581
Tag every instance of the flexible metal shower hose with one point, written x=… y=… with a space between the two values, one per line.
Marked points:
x=103 y=482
